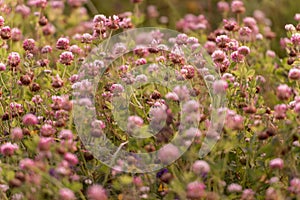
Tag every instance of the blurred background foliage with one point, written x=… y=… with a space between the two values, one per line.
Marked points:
x=280 y=12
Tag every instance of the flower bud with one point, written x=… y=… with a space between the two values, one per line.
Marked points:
x=201 y=167
x=5 y=33
x=96 y=192
x=8 y=149
x=237 y=6
x=168 y=153
x=276 y=163
x=66 y=194
x=195 y=190
x=62 y=43
x=29 y=44
x=30 y=120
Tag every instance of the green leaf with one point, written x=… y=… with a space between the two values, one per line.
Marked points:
x=31 y=144
x=109 y=105
x=251 y=73
x=232 y=65
x=10 y=175
x=116 y=185
x=138 y=20
x=76 y=186
x=125 y=180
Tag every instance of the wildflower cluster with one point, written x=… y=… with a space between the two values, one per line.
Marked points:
x=148 y=96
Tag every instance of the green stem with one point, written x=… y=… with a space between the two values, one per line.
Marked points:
x=4 y=195
x=173 y=8
x=3 y=82
x=238 y=19
x=136 y=10
x=113 y=160
x=63 y=75
x=84 y=162
x=92 y=7
x=108 y=41
x=81 y=195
